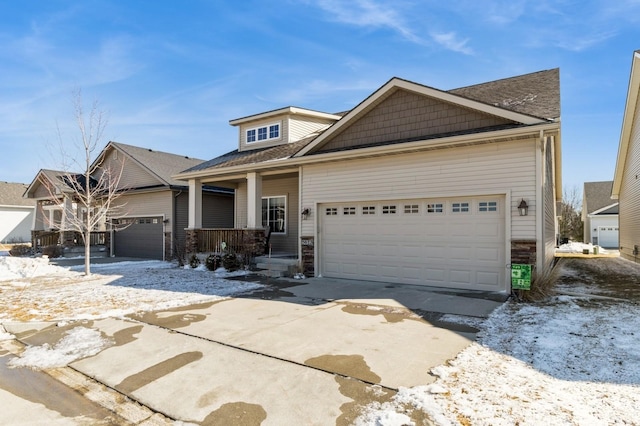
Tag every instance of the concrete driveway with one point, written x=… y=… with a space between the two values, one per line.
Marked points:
x=312 y=352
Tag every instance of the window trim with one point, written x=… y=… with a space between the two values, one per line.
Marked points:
x=285 y=224
x=267 y=131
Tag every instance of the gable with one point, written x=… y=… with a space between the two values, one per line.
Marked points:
x=133 y=175
x=404 y=116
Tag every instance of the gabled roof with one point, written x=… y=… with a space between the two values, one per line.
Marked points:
x=597 y=196
x=633 y=94
x=161 y=165
x=536 y=94
x=11 y=195
x=53 y=177
x=527 y=100
x=513 y=99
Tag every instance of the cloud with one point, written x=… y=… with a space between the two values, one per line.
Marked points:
x=451 y=41
x=369 y=13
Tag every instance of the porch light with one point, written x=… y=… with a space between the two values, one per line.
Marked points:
x=305 y=213
x=523 y=208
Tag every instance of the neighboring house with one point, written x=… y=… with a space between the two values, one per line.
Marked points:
x=152 y=211
x=16 y=213
x=414 y=185
x=600 y=215
x=626 y=182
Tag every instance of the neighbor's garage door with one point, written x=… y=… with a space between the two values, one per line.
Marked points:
x=140 y=237
x=457 y=242
x=608 y=236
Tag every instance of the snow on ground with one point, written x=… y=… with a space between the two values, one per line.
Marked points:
x=573 y=360
x=79 y=342
x=574 y=247
x=570 y=361
x=33 y=289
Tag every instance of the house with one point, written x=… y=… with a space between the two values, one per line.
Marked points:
x=16 y=213
x=415 y=185
x=626 y=183
x=151 y=214
x=600 y=215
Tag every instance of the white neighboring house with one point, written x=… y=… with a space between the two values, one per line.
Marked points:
x=600 y=214
x=16 y=213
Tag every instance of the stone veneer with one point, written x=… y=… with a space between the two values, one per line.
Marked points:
x=308 y=258
x=523 y=252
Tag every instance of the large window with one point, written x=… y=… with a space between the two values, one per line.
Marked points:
x=274 y=214
x=263 y=133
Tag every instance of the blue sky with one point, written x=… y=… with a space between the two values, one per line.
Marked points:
x=171 y=74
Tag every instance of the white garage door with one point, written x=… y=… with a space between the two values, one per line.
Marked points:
x=608 y=236
x=457 y=243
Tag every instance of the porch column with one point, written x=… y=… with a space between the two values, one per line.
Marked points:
x=195 y=204
x=67 y=214
x=254 y=200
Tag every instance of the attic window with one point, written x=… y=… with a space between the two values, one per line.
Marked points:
x=263 y=133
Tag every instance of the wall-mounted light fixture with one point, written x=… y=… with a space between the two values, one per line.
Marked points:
x=523 y=208
x=305 y=213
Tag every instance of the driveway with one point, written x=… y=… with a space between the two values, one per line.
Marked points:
x=301 y=352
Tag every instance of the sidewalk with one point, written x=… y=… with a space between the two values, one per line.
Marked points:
x=309 y=353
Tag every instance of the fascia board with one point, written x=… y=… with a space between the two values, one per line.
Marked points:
x=627 y=124
x=605 y=208
x=281 y=111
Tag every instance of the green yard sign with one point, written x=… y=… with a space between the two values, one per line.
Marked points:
x=521 y=277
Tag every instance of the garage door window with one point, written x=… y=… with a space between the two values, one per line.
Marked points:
x=435 y=208
x=488 y=206
x=274 y=213
x=388 y=209
x=349 y=211
x=366 y=210
x=460 y=207
x=411 y=208
x=331 y=211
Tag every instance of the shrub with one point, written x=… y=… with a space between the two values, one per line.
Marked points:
x=231 y=262
x=20 y=250
x=52 y=251
x=542 y=284
x=194 y=261
x=213 y=262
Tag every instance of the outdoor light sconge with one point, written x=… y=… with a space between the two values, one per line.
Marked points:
x=523 y=208
x=305 y=213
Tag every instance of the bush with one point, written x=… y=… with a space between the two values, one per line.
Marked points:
x=231 y=262
x=52 y=251
x=194 y=261
x=20 y=250
x=213 y=262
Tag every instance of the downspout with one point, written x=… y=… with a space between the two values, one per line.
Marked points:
x=300 y=204
x=540 y=174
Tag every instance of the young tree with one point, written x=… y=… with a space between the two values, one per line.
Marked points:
x=570 y=215
x=95 y=189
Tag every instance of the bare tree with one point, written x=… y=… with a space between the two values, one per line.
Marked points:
x=570 y=214
x=94 y=190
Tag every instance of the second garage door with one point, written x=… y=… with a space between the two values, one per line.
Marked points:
x=456 y=242
x=141 y=237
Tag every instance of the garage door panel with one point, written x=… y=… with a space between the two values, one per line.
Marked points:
x=141 y=237
x=462 y=250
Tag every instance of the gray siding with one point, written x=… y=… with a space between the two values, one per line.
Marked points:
x=217 y=212
x=288 y=187
x=133 y=175
x=302 y=126
x=406 y=115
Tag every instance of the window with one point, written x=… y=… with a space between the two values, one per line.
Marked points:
x=411 y=209
x=349 y=211
x=264 y=133
x=488 y=206
x=369 y=210
x=435 y=208
x=274 y=213
x=460 y=207
x=388 y=209
x=331 y=211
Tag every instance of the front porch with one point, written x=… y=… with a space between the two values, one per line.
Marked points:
x=70 y=241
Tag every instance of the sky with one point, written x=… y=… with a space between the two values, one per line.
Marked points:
x=170 y=75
